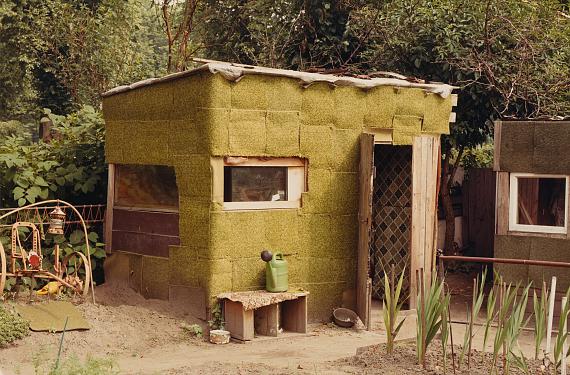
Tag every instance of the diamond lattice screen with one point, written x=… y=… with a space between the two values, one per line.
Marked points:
x=391 y=215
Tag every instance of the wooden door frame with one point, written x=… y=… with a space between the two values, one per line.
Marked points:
x=423 y=242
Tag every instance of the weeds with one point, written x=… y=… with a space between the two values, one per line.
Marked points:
x=74 y=366
x=217 y=321
x=194 y=330
x=391 y=306
x=489 y=317
x=12 y=327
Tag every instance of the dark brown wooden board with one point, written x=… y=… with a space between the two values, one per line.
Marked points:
x=364 y=222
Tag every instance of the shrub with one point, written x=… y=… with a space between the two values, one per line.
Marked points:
x=12 y=327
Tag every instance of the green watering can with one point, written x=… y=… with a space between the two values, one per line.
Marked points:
x=276 y=272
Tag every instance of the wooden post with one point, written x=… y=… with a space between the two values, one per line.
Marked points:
x=550 y=315
x=108 y=229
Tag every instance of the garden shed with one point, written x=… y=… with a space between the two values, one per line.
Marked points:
x=210 y=166
x=533 y=166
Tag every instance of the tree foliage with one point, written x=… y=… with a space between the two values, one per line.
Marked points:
x=71 y=167
x=61 y=54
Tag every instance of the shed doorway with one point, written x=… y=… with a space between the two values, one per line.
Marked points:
x=391 y=216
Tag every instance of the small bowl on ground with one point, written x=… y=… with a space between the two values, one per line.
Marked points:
x=219 y=336
x=345 y=318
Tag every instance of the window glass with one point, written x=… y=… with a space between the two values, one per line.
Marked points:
x=254 y=184
x=541 y=201
x=146 y=186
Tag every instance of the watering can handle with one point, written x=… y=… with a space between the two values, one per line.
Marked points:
x=278 y=256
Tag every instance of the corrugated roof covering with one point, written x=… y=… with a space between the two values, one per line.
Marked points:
x=234 y=72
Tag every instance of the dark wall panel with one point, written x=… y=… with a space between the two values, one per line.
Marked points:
x=144 y=232
x=535 y=147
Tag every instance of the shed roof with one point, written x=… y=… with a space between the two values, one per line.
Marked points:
x=234 y=72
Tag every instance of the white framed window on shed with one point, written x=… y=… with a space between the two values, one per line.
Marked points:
x=538 y=203
x=242 y=183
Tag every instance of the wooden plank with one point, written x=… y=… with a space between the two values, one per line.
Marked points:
x=294 y=315
x=238 y=321
x=454 y=100
x=452 y=117
x=502 y=199
x=364 y=223
x=497 y=146
x=142 y=221
x=266 y=320
x=425 y=172
x=108 y=229
x=144 y=243
x=479 y=210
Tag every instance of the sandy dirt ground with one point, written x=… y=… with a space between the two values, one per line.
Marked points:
x=145 y=337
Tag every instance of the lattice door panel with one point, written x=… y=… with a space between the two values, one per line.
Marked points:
x=391 y=215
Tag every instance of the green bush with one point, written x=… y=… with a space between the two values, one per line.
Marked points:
x=12 y=327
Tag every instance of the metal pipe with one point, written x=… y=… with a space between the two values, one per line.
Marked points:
x=529 y=262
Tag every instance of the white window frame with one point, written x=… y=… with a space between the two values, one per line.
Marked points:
x=513 y=206
x=296 y=181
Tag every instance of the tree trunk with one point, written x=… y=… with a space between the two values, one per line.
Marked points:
x=446 y=185
x=447 y=209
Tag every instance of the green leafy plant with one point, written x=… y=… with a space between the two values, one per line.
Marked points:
x=490 y=316
x=430 y=306
x=511 y=322
x=12 y=327
x=194 y=330
x=562 y=334
x=540 y=309
x=217 y=321
x=478 y=296
x=391 y=306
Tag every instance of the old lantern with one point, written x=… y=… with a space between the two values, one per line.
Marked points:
x=56 y=220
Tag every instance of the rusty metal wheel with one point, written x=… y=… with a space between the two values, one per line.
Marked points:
x=74 y=278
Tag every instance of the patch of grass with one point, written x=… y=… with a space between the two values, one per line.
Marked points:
x=74 y=366
x=12 y=327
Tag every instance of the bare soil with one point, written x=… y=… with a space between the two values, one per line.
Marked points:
x=403 y=361
x=122 y=322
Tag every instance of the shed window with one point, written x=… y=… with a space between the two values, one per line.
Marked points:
x=255 y=184
x=250 y=183
x=146 y=186
x=538 y=203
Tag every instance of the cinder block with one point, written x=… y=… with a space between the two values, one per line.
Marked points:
x=436 y=114
x=552 y=249
x=192 y=92
x=247 y=133
x=236 y=234
x=216 y=122
x=248 y=273
x=283 y=133
x=346 y=151
x=282 y=231
x=155 y=277
x=410 y=102
x=516 y=247
x=380 y=107
x=317 y=106
x=316 y=143
x=517 y=147
x=344 y=236
x=344 y=197
x=219 y=92
x=285 y=95
x=252 y=92
x=320 y=191
x=194 y=222
x=315 y=233
x=349 y=107
x=405 y=129
x=114 y=141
